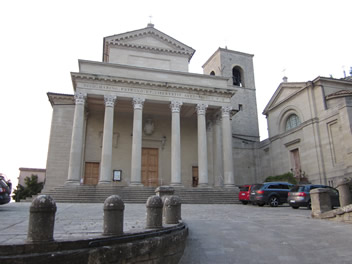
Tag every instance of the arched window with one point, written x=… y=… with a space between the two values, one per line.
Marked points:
x=237 y=76
x=292 y=122
x=212 y=73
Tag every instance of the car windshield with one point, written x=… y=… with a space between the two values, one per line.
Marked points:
x=244 y=188
x=256 y=187
x=297 y=189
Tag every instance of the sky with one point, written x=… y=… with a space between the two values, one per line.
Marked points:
x=41 y=42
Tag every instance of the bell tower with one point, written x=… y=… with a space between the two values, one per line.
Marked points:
x=238 y=68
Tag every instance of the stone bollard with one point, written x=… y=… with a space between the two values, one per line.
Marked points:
x=321 y=201
x=172 y=209
x=342 y=186
x=164 y=191
x=154 y=212
x=113 y=216
x=41 y=219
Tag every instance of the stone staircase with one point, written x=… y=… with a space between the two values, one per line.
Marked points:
x=98 y=194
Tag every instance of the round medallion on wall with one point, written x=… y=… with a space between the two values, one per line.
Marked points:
x=148 y=127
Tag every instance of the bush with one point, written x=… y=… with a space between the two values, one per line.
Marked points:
x=286 y=177
x=32 y=187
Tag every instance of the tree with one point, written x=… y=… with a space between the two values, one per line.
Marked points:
x=286 y=177
x=32 y=187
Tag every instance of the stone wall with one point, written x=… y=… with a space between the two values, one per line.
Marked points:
x=160 y=246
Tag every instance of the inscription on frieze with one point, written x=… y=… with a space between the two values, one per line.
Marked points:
x=149 y=92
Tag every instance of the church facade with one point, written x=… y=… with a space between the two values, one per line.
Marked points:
x=139 y=118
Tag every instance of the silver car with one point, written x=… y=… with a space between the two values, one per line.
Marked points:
x=299 y=195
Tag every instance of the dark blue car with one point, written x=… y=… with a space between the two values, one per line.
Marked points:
x=271 y=193
x=5 y=190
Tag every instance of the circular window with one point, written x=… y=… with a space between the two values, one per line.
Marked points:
x=292 y=122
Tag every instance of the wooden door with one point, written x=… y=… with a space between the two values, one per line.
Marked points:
x=296 y=162
x=150 y=166
x=194 y=176
x=91 y=174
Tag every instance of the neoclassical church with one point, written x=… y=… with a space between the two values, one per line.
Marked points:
x=140 y=118
x=310 y=131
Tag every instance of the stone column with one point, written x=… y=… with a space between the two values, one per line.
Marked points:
x=175 y=144
x=320 y=200
x=136 y=162
x=202 y=146
x=343 y=187
x=74 y=167
x=229 y=180
x=106 y=152
x=218 y=160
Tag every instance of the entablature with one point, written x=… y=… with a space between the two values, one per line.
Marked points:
x=154 y=91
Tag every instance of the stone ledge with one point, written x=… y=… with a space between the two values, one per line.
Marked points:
x=156 y=246
x=342 y=214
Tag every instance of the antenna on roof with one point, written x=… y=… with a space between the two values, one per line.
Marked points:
x=150 y=24
x=284 y=73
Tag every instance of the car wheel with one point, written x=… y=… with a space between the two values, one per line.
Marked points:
x=260 y=204
x=244 y=202
x=274 y=201
x=294 y=207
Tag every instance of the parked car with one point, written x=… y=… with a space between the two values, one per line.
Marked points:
x=243 y=195
x=271 y=193
x=299 y=195
x=5 y=190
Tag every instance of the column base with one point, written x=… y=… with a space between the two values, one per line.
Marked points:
x=72 y=182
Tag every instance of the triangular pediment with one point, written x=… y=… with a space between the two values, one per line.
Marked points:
x=151 y=39
x=283 y=93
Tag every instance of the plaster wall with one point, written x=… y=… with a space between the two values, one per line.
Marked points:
x=148 y=59
x=244 y=164
x=59 y=146
x=245 y=122
x=28 y=173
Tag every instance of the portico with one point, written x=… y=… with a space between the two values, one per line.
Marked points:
x=175 y=104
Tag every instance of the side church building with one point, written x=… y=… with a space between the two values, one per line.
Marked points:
x=140 y=118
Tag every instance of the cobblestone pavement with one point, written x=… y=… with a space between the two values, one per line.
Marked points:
x=218 y=234
x=251 y=234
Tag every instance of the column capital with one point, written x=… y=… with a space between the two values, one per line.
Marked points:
x=225 y=111
x=175 y=106
x=109 y=100
x=138 y=103
x=80 y=98
x=201 y=109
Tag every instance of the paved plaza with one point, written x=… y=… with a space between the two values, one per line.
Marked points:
x=218 y=233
